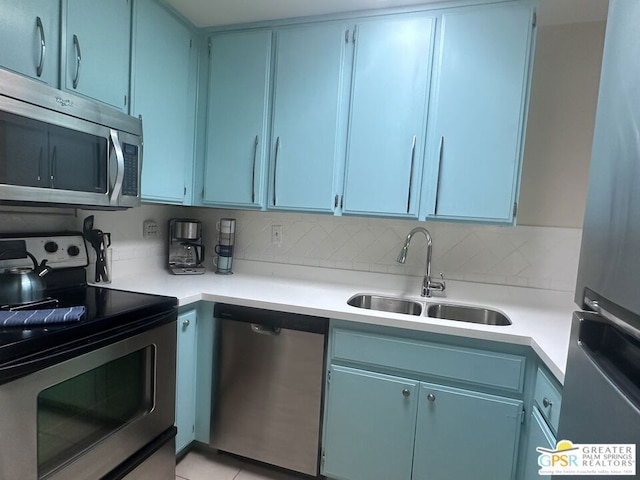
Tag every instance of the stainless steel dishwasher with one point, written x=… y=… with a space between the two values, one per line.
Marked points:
x=269 y=386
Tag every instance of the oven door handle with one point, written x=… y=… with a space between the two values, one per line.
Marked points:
x=17 y=369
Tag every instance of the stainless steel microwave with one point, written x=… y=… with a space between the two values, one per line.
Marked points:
x=60 y=148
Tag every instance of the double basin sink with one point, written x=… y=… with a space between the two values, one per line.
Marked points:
x=445 y=311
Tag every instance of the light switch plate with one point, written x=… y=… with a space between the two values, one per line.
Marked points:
x=276 y=234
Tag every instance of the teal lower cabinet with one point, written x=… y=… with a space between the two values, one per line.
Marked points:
x=465 y=434
x=538 y=435
x=403 y=405
x=543 y=423
x=186 y=379
x=370 y=426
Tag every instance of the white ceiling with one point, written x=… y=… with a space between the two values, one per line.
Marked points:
x=207 y=13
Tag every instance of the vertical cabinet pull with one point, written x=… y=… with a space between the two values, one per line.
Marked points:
x=40 y=164
x=275 y=169
x=76 y=45
x=253 y=171
x=413 y=156
x=440 y=148
x=43 y=46
x=54 y=166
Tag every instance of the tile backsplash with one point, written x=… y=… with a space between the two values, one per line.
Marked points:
x=538 y=257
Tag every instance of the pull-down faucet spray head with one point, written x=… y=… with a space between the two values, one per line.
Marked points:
x=402 y=256
x=428 y=285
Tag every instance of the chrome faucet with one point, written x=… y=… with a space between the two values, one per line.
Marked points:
x=428 y=285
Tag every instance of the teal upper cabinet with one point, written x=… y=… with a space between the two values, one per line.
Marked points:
x=477 y=113
x=97 y=50
x=306 y=150
x=237 y=143
x=30 y=35
x=465 y=434
x=370 y=426
x=163 y=97
x=387 y=120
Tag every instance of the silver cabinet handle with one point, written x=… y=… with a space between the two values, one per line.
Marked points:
x=43 y=46
x=40 y=164
x=440 y=148
x=406 y=392
x=117 y=149
x=431 y=397
x=253 y=171
x=413 y=156
x=275 y=169
x=54 y=166
x=76 y=45
x=186 y=323
x=546 y=402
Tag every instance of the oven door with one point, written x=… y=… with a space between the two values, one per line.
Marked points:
x=81 y=418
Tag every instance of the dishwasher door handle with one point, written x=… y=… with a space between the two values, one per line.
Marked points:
x=264 y=330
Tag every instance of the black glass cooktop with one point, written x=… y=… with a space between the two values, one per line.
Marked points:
x=107 y=311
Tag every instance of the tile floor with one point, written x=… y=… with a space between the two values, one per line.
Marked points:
x=198 y=465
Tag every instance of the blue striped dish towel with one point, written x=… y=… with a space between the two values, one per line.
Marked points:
x=34 y=318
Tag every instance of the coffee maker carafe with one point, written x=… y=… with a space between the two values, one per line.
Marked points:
x=186 y=249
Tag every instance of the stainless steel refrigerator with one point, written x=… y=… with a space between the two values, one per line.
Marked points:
x=601 y=397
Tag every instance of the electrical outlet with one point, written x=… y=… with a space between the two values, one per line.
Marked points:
x=149 y=229
x=276 y=234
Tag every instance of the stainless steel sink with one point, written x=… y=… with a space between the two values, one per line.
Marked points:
x=386 y=304
x=462 y=313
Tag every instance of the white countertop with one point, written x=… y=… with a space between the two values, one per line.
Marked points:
x=540 y=318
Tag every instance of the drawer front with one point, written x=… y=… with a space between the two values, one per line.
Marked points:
x=548 y=398
x=499 y=370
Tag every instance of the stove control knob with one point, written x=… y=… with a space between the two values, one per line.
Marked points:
x=51 y=247
x=73 y=251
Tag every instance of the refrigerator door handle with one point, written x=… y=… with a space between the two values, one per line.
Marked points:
x=612 y=318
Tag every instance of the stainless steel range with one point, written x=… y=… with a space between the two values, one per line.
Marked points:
x=87 y=382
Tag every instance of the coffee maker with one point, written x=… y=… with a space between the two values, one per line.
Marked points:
x=186 y=249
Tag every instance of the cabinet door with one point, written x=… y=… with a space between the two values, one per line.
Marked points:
x=161 y=94
x=185 y=380
x=387 y=121
x=237 y=119
x=478 y=113
x=32 y=29
x=465 y=434
x=369 y=426
x=304 y=146
x=538 y=435
x=98 y=37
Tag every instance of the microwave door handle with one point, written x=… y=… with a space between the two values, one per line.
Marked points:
x=117 y=186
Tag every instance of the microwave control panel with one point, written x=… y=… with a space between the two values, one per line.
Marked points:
x=131 y=172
